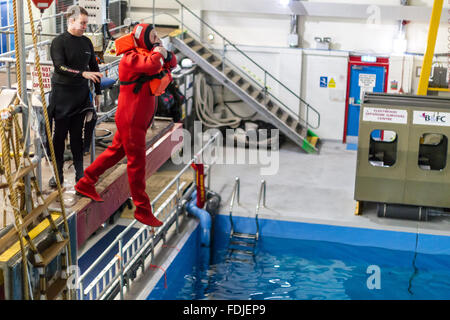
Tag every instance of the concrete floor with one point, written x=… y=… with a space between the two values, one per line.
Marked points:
x=311 y=188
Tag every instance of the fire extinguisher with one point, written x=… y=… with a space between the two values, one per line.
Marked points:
x=42 y=4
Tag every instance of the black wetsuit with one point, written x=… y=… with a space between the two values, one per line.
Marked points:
x=70 y=97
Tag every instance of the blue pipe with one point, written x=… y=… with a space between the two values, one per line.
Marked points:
x=205 y=219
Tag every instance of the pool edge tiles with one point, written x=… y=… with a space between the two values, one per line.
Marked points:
x=350 y=235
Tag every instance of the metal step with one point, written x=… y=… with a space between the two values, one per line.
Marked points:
x=207 y=55
x=256 y=93
x=216 y=63
x=234 y=259
x=228 y=72
x=245 y=86
x=241 y=251
x=242 y=243
x=240 y=86
x=56 y=288
x=197 y=48
x=51 y=252
x=244 y=235
x=188 y=40
x=236 y=78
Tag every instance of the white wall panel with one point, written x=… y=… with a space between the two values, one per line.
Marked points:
x=329 y=101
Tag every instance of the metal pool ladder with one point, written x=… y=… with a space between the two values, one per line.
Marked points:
x=245 y=243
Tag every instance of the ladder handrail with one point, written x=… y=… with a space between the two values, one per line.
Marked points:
x=260 y=67
x=235 y=194
x=261 y=193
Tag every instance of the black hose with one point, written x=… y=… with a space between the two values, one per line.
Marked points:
x=233 y=112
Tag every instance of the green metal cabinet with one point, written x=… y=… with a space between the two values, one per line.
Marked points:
x=411 y=166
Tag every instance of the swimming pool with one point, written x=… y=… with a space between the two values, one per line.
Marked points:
x=304 y=269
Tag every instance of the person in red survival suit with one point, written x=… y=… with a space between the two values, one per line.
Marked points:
x=135 y=111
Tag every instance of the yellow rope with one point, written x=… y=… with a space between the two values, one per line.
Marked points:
x=5 y=149
x=13 y=199
x=47 y=126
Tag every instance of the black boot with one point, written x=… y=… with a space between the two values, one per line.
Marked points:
x=52 y=181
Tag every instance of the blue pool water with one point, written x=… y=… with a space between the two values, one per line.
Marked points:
x=303 y=269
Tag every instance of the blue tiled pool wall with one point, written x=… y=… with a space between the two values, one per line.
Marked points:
x=192 y=262
x=393 y=240
x=190 y=257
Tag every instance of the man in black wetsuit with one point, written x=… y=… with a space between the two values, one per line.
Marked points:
x=75 y=64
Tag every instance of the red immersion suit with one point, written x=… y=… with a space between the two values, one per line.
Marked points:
x=134 y=114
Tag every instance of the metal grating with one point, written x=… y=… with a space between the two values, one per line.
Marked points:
x=62 y=6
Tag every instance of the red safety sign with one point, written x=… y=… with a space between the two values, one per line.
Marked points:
x=42 y=4
x=200 y=180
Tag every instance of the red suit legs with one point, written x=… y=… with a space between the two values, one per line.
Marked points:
x=135 y=150
x=133 y=146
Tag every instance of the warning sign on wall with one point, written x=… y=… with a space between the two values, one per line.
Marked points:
x=367 y=80
x=385 y=115
x=46 y=78
x=332 y=83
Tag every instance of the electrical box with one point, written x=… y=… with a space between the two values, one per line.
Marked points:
x=96 y=39
x=110 y=52
x=96 y=10
x=403 y=154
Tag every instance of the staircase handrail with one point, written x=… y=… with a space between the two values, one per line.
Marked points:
x=246 y=56
x=234 y=195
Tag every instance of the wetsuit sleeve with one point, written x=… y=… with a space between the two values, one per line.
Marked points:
x=59 y=60
x=171 y=61
x=143 y=64
x=93 y=66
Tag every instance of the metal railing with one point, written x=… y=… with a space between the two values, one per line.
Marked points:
x=261 y=193
x=267 y=74
x=132 y=254
x=234 y=195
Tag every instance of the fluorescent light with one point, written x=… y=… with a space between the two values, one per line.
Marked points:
x=284 y=3
x=368 y=59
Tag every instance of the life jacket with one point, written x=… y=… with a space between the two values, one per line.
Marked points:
x=158 y=82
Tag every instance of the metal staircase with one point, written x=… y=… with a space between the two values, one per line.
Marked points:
x=244 y=243
x=257 y=95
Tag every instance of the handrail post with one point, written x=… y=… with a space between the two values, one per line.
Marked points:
x=81 y=290
x=153 y=13
x=8 y=72
x=265 y=86
x=264 y=194
x=121 y=267
x=182 y=21
x=238 y=182
x=223 y=54
x=234 y=195
x=307 y=118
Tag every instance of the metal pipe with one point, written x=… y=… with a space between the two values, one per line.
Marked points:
x=37 y=20
x=13 y=61
x=29 y=34
x=153 y=13
x=24 y=96
x=121 y=268
x=8 y=76
x=10 y=53
x=431 y=43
